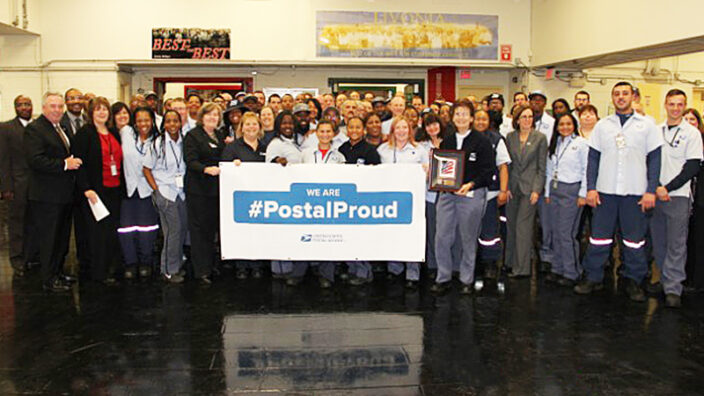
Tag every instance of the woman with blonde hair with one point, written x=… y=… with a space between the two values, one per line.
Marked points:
x=401 y=148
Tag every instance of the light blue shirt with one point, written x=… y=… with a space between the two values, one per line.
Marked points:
x=133 y=152
x=623 y=165
x=165 y=159
x=680 y=144
x=568 y=164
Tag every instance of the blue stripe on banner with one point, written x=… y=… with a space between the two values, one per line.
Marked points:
x=323 y=203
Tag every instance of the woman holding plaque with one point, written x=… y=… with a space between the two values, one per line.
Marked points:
x=526 y=179
x=465 y=206
x=402 y=149
x=566 y=191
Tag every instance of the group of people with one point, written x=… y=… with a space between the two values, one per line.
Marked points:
x=620 y=180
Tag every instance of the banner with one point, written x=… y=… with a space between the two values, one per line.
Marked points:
x=406 y=35
x=322 y=212
x=193 y=43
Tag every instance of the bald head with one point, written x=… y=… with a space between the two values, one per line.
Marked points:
x=23 y=107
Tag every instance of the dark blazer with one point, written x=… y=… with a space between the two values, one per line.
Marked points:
x=526 y=172
x=479 y=156
x=13 y=164
x=86 y=146
x=201 y=152
x=45 y=153
x=66 y=123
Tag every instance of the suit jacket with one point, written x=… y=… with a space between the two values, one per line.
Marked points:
x=526 y=172
x=13 y=164
x=201 y=152
x=86 y=146
x=45 y=153
x=66 y=123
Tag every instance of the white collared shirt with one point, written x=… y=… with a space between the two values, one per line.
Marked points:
x=408 y=154
x=623 y=171
x=502 y=157
x=680 y=144
x=133 y=153
x=545 y=125
x=284 y=148
x=24 y=122
x=568 y=164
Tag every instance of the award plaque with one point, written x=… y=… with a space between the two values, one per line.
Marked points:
x=446 y=170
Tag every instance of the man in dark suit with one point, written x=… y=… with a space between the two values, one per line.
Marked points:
x=52 y=182
x=14 y=178
x=72 y=120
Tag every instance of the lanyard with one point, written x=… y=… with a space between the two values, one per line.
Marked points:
x=140 y=147
x=559 y=156
x=109 y=141
x=671 y=142
x=178 y=163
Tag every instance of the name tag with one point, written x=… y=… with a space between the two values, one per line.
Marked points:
x=620 y=141
x=179 y=181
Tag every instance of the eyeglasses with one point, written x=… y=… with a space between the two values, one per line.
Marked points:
x=526 y=117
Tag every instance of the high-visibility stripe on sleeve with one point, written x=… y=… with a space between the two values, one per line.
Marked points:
x=490 y=242
x=634 y=245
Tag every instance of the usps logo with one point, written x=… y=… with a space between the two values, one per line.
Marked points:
x=306 y=238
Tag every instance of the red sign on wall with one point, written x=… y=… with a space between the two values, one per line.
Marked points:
x=506 y=52
x=465 y=74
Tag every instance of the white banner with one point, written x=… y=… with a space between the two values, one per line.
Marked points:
x=322 y=212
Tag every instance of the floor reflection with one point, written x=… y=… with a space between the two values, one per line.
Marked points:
x=381 y=339
x=322 y=351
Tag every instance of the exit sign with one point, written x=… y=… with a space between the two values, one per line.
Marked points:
x=506 y=52
x=465 y=74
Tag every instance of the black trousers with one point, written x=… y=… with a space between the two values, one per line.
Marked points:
x=21 y=228
x=103 y=242
x=53 y=222
x=203 y=221
x=81 y=235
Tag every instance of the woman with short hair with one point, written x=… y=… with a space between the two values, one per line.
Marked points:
x=202 y=148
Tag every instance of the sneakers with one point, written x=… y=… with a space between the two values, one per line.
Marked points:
x=588 y=287
x=634 y=291
x=673 y=300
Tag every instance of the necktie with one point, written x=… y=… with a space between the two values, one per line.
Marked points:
x=63 y=138
x=78 y=123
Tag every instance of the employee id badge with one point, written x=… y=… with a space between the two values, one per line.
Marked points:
x=113 y=167
x=179 y=181
x=620 y=141
x=553 y=185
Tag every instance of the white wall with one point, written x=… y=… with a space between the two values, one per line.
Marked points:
x=569 y=29
x=268 y=30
